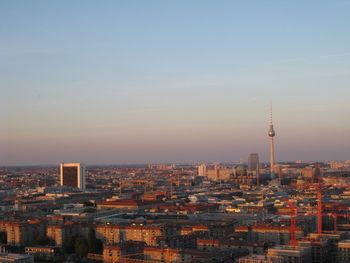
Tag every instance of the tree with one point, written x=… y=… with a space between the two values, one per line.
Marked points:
x=81 y=247
x=94 y=244
x=69 y=246
x=3 y=237
x=42 y=241
x=89 y=210
x=88 y=204
x=99 y=246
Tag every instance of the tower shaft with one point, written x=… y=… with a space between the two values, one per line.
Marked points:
x=319 y=209
x=272 y=148
x=272 y=156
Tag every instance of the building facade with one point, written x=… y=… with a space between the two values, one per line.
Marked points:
x=72 y=175
x=253 y=162
x=202 y=170
x=343 y=251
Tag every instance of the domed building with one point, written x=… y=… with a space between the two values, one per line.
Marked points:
x=240 y=175
x=240 y=170
x=300 y=182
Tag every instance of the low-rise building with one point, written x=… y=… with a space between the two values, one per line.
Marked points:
x=291 y=254
x=42 y=253
x=24 y=233
x=117 y=252
x=63 y=234
x=128 y=204
x=112 y=234
x=16 y=258
x=228 y=245
x=321 y=249
x=169 y=255
x=343 y=251
x=260 y=259
x=280 y=235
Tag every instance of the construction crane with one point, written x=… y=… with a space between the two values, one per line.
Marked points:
x=319 y=208
x=335 y=219
x=320 y=213
x=293 y=222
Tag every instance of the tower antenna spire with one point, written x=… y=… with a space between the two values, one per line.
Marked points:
x=270 y=112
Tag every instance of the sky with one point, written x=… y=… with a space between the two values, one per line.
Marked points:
x=115 y=82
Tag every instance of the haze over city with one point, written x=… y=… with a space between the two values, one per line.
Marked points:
x=183 y=81
x=174 y=131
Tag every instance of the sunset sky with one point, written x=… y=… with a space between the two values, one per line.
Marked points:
x=112 y=82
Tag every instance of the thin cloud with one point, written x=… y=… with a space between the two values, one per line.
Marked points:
x=19 y=52
x=326 y=56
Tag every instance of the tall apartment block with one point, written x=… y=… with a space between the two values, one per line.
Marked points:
x=72 y=175
x=202 y=170
x=253 y=162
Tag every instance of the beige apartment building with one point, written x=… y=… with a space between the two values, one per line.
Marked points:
x=112 y=234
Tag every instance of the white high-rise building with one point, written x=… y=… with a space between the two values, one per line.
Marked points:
x=253 y=162
x=202 y=170
x=72 y=175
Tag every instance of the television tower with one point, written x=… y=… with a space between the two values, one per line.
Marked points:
x=272 y=148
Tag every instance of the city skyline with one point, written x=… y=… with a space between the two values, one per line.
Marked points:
x=174 y=131
x=172 y=82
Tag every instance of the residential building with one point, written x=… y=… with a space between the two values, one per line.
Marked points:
x=291 y=254
x=72 y=175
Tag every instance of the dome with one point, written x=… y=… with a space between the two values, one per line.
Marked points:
x=241 y=170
